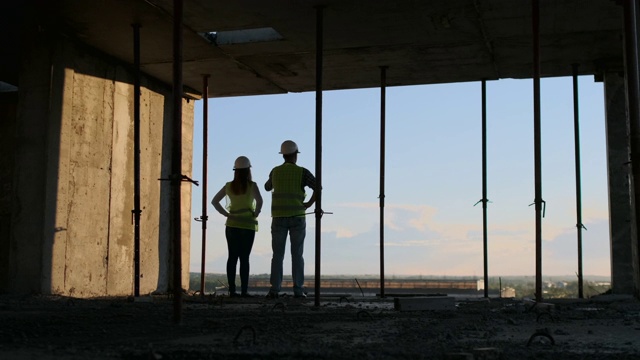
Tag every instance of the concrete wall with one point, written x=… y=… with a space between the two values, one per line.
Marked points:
x=8 y=108
x=621 y=220
x=72 y=222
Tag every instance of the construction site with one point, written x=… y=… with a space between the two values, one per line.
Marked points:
x=97 y=113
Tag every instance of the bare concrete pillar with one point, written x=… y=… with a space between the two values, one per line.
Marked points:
x=29 y=175
x=8 y=111
x=621 y=220
x=70 y=231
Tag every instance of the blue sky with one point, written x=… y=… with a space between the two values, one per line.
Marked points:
x=433 y=177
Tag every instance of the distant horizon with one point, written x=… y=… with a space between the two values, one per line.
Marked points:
x=387 y=276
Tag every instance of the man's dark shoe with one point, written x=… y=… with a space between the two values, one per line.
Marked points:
x=246 y=295
x=272 y=295
x=300 y=296
x=234 y=295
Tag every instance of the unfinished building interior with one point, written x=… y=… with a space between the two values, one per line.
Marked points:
x=97 y=107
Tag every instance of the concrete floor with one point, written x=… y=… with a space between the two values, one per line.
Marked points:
x=224 y=328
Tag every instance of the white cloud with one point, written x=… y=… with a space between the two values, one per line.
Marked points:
x=367 y=205
x=411 y=243
x=417 y=242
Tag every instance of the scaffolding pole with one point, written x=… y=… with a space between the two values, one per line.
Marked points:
x=576 y=133
x=176 y=161
x=537 y=144
x=383 y=98
x=484 y=200
x=205 y=147
x=136 y=160
x=318 y=189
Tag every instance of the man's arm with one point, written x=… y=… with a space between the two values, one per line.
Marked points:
x=309 y=181
x=269 y=185
x=312 y=200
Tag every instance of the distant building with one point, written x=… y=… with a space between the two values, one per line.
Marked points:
x=508 y=292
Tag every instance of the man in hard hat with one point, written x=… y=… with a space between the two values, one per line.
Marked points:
x=288 y=217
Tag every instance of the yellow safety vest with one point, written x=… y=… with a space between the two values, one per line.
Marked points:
x=241 y=209
x=288 y=196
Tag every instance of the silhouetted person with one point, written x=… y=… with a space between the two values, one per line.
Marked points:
x=242 y=210
x=288 y=217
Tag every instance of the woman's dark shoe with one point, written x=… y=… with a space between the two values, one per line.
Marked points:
x=234 y=294
x=246 y=295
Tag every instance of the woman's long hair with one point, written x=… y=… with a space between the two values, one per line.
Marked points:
x=241 y=180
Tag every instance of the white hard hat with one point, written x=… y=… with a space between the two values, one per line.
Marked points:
x=242 y=162
x=288 y=147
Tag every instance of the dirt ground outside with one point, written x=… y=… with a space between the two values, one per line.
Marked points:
x=351 y=327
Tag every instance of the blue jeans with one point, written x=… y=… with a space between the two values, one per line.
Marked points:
x=296 y=228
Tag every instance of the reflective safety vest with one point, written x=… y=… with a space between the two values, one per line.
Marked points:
x=288 y=197
x=241 y=209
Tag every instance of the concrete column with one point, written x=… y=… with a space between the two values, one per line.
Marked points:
x=70 y=207
x=8 y=110
x=621 y=220
x=29 y=175
x=59 y=139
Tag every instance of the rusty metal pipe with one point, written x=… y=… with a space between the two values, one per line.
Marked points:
x=176 y=161
x=383 y=98
x=205 y=148
x=485 y=244
x=136 y=160
x=576 y=133
x=537 y=143
x=318 y=190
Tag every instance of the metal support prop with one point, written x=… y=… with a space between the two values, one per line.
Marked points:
x=176 y=161
x=537 y=143
x=136 y=160
x=383 y=98
x=205 y=145
x=484 y=189
x=632 y=80
x=576 y=131
x=318 y=189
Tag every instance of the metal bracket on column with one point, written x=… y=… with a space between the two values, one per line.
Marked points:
x=322 y=212
x=184 y=178
x=484 y=201
x=544 y=206
x=133 y=214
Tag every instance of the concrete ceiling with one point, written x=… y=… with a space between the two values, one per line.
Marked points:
x=422 y=42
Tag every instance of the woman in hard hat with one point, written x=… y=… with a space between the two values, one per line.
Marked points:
x=243 y=207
